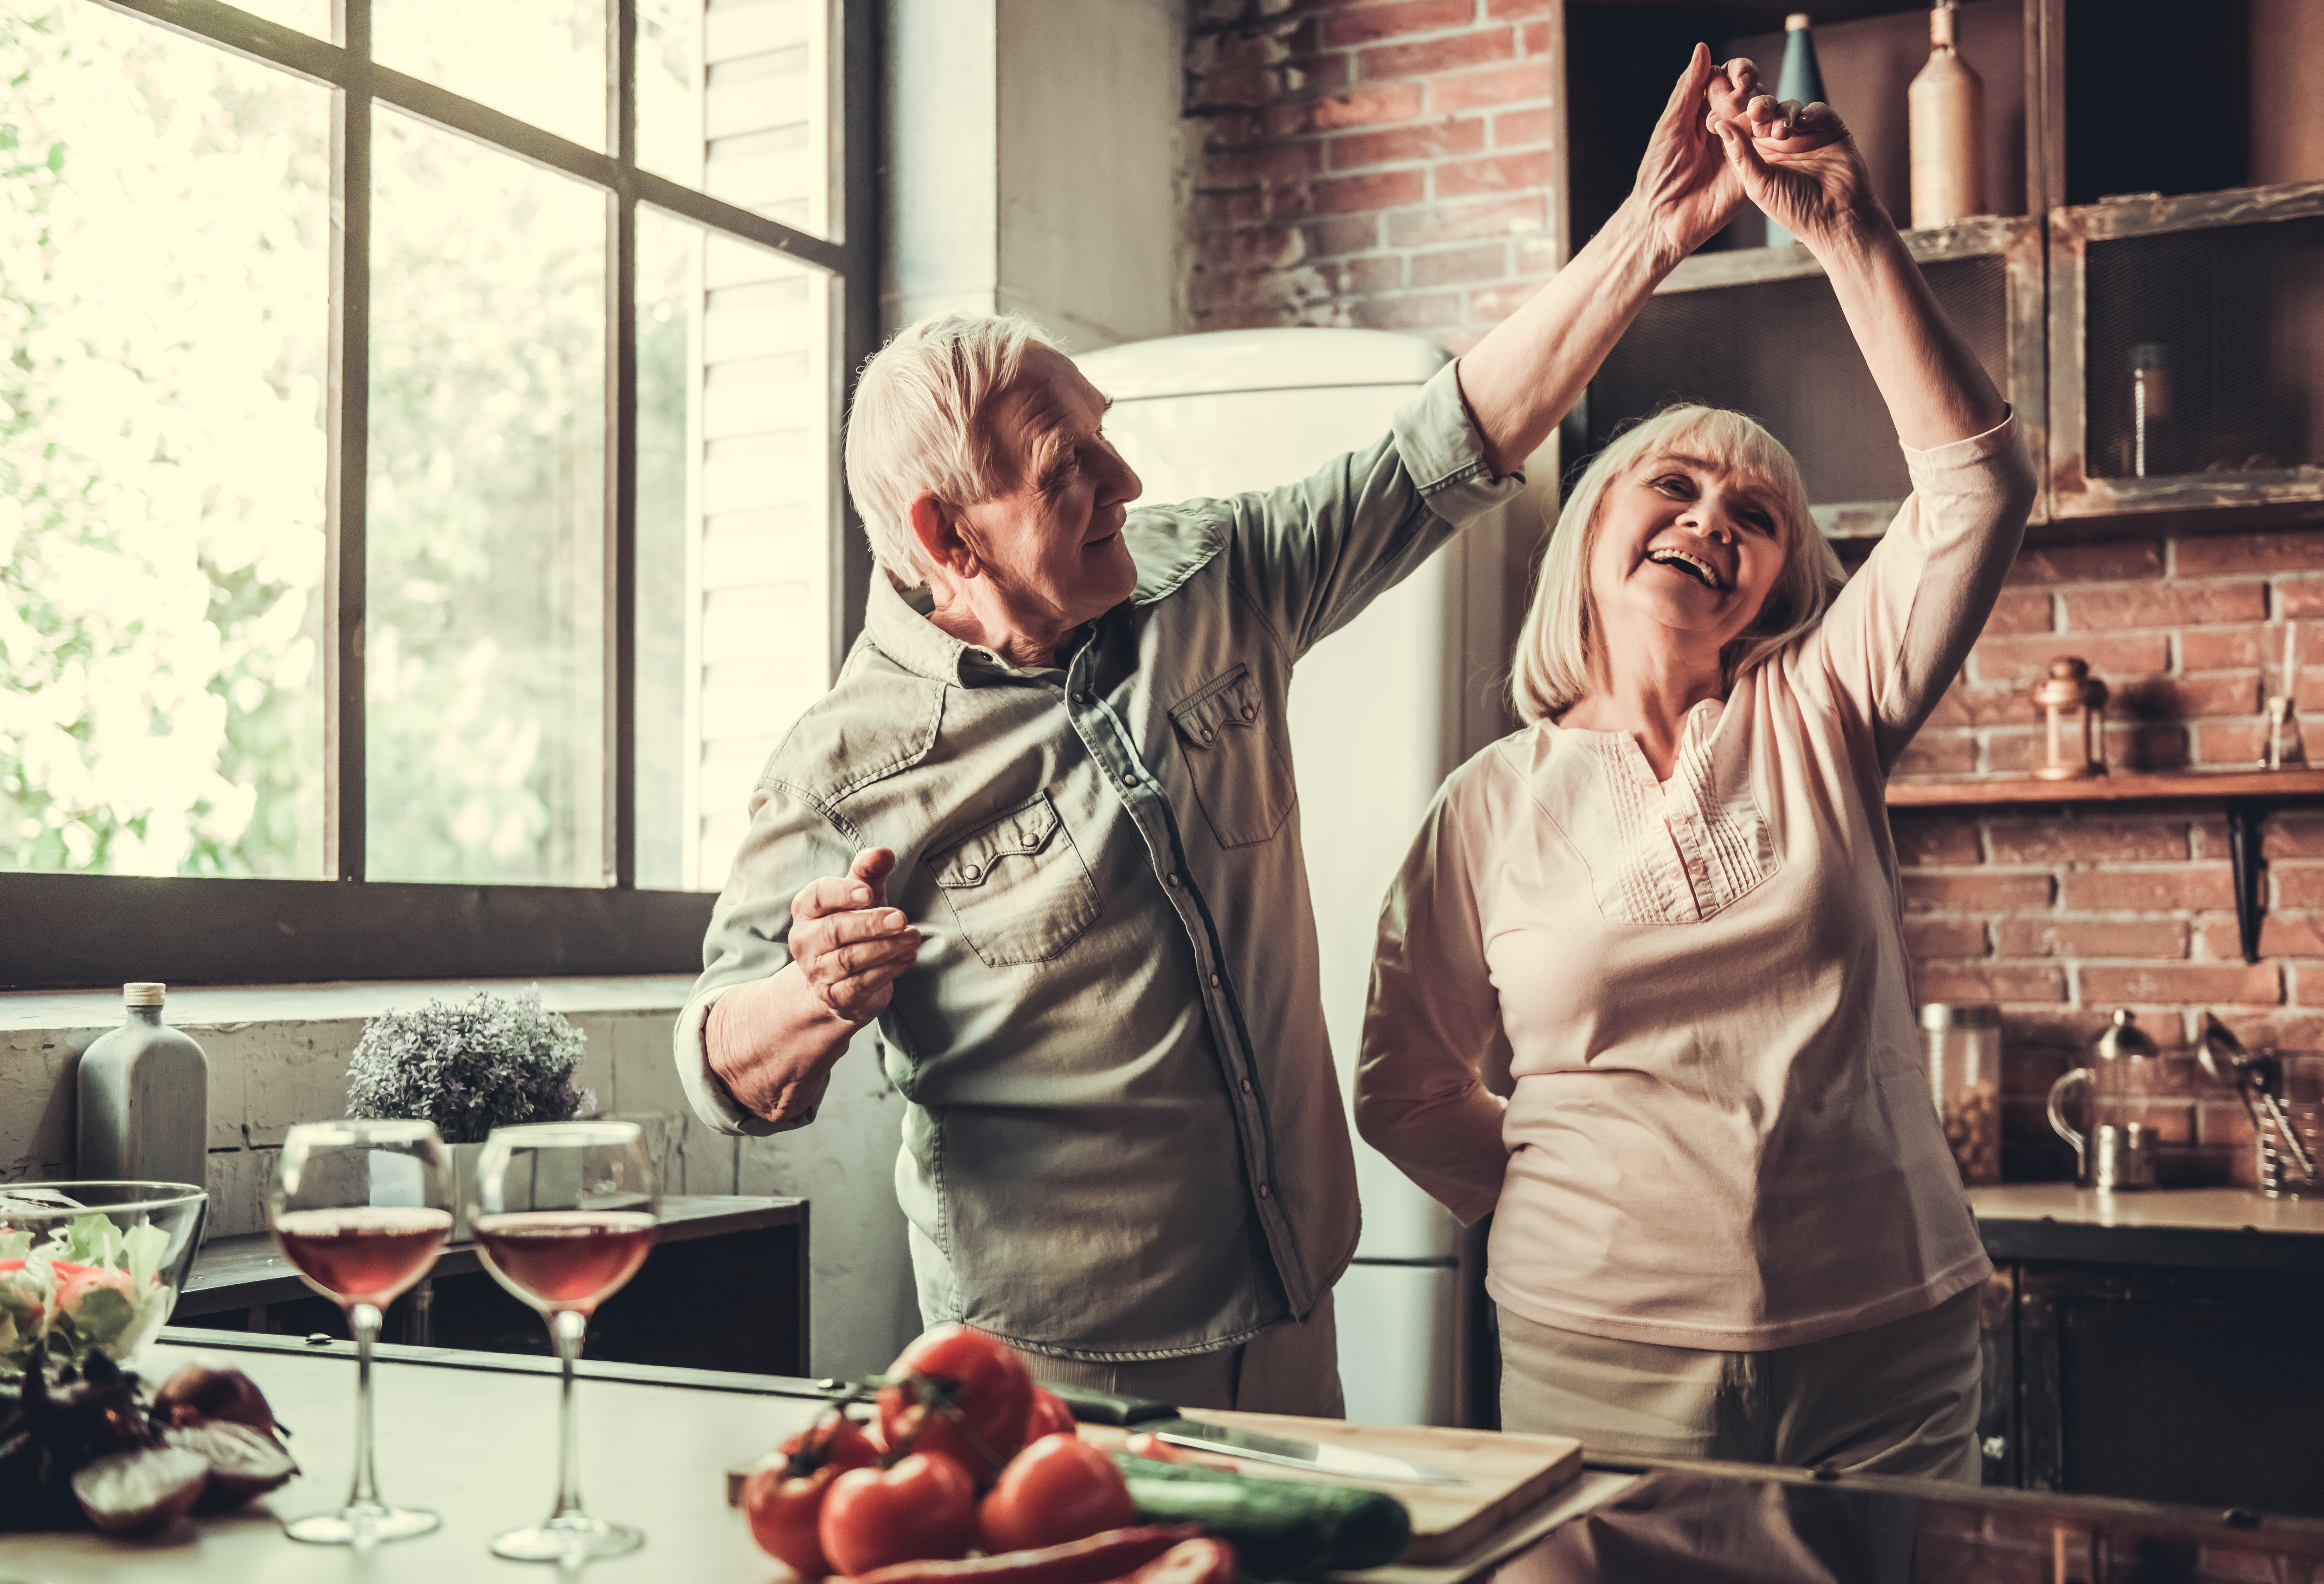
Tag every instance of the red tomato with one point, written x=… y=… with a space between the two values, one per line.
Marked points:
x=961 y=1393
x=1048 y=1416
x=784 y=1513
x=1058 y=1490
x=922 y=1509
x=783 y=1498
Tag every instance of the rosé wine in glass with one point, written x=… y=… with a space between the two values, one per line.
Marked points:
x=361 y=1208
x=364 y=1253
x=564 y=1213
x=565 y=1259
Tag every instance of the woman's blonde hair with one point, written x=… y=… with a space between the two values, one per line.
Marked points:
x=918 y=424
x=1552 y=666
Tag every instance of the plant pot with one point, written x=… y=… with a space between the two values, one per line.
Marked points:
x=395 y=1180
x=466 y=1158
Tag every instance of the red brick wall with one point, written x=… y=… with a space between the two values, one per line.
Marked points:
x=2061 y=919
x=1382 y=163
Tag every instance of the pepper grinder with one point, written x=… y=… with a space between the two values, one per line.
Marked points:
x=144 y=1092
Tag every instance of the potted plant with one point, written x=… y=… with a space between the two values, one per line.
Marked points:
x=469 y=1067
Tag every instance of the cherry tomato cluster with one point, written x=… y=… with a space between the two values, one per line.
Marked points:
x=966 y=1452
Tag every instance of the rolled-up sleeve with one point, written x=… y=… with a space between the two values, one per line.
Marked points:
x=789 y=844
x=1313 y=555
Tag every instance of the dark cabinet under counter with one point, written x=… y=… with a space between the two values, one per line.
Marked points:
x=2160 y=1346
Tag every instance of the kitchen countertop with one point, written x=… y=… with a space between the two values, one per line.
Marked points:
x=2222 y=1228
x=473 y=1437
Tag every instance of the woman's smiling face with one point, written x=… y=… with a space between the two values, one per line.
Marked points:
x=1687 y=547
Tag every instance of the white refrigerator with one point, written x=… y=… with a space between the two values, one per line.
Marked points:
x=1381 y=712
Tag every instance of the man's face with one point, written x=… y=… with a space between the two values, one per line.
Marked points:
x=1686 y=547
x=1049 y=540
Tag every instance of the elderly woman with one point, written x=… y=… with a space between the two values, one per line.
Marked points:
x=1725 y=1221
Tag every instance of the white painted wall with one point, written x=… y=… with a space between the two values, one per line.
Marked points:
x=1032 y=158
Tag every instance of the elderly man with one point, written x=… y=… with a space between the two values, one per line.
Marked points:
x=1043 y=831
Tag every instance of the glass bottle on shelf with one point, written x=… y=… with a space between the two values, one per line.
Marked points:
x=1963 y=1046
x=1800 y=79
x=2150 y=407
x=1946 y=104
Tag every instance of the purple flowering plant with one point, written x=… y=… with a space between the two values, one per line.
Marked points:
x=469 y=1066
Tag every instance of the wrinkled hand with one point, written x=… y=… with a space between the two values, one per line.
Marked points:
x=852 y=946
x=1796 y=162
x=1686 y=188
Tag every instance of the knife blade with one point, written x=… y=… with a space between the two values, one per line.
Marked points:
x=1164 y=1420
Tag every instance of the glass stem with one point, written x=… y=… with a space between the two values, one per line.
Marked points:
x=363 y=1320
x=565 y=1329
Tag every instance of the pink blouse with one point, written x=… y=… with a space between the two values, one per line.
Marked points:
x=1721 y=1136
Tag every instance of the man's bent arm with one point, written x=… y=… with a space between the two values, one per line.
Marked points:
x=771 y=1043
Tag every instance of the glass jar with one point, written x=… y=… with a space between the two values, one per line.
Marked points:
x=1963 y=1046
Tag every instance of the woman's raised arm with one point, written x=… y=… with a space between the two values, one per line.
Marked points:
x=1521 y=378
x=1799 y=164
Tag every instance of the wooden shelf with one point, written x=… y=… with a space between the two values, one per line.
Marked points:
x=2145 y=787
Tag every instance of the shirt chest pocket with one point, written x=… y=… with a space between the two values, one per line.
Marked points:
x=1241 y=780
x=1017 y=887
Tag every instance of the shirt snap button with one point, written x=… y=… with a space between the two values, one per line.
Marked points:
x=1262 y=1190
x=1208 y=733
x=969 y=871
x=1251 y=712
x=1246 y=1085
x=1171 y=878
x=1214 y=981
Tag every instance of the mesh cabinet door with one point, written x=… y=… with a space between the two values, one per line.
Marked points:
x=2187 y=351
x=1761 y=332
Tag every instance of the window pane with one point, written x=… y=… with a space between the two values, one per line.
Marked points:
x=737 y=506
x=486 y=637
x=164 y=278
x=736 y=99
x=308 y=17
x=475 y=49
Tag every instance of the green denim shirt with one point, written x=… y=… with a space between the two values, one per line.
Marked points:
x=1125 y=1138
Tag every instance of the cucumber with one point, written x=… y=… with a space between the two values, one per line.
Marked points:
x=1279 y=1528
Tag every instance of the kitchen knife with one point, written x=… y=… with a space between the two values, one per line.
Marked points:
x=1160 y=1418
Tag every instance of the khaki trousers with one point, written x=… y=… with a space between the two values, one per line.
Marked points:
x=1897 y=1399
x=1294 y=1368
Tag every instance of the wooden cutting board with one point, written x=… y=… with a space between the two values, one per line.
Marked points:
x=1505 y=1476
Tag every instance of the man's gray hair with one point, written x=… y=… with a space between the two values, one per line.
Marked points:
x=917 y=427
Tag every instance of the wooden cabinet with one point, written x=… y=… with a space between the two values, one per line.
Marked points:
x=2157 y=171
x=725 y=1288
x=2200 y=1387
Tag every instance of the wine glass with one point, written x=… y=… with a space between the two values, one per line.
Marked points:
x=362 y=1209
x=563 y=1214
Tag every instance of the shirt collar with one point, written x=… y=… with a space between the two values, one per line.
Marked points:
x=896 y=621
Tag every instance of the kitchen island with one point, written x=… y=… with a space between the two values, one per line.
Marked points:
x=472 y=1436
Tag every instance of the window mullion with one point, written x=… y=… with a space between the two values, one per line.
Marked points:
x=621 y=456
x=345 y=553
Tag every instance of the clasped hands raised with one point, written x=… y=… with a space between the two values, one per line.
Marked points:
x=1720 y=141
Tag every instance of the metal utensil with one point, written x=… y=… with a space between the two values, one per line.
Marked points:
x=1165 y=1420
x=2224 y=1057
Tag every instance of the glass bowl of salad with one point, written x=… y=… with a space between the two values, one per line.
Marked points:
x=90 y=1267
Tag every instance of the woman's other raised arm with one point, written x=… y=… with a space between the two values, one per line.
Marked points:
x=1799 y=164
x=1523 y=376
